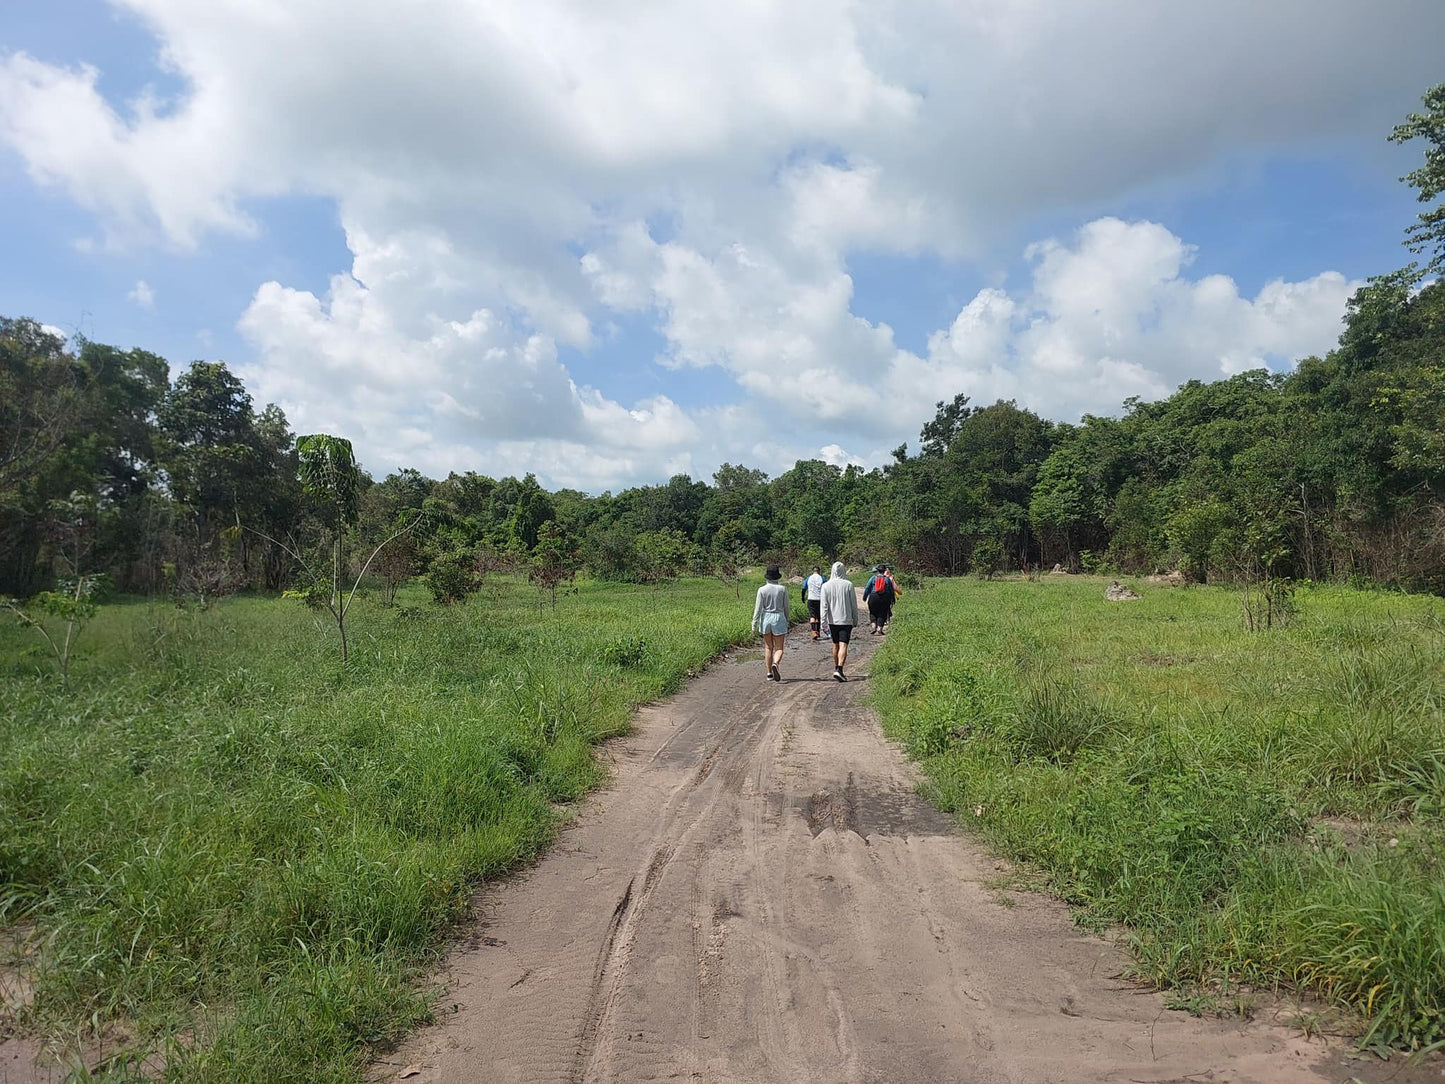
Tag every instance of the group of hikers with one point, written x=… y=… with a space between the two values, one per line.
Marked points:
x=832 y=611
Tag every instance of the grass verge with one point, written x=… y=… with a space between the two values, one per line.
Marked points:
x=237 y=856
x=1261 y=809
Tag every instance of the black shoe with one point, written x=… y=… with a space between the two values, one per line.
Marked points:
x=776 y=676
x=838 y=674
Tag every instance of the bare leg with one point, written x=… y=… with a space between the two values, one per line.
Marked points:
x=773 y=653
x=841 y=656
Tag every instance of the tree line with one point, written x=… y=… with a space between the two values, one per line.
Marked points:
x=1336 y=469
x=1331 y=471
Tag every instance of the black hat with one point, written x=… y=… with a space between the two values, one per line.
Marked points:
x=772 y=573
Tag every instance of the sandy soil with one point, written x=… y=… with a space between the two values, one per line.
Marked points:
x=760 y=897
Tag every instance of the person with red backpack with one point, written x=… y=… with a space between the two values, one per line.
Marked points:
x=880 y=594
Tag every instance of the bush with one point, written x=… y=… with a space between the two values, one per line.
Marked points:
x=452 y=577
x=987 y=557
x=628 y=652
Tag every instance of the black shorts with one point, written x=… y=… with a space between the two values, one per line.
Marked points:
x=881 y=609
x=841 y=633
x=815 y=608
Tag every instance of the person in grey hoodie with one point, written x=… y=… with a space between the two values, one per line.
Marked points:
x=770 y=617
x=840 y=614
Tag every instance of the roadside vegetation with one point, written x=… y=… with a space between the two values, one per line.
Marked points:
x=1258 y=809
x=231 y=857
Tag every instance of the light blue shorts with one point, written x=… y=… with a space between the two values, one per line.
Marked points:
x=777 y=624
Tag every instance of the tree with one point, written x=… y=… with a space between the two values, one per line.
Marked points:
x=1429 y=180
x=452 y=576
x=553 y=561
x=331 y=478
x=661 y=556
x=726 y=566
x=72 y=604
x=395 y=565
x=938 y=434
x=208 y=442
x=39 y=393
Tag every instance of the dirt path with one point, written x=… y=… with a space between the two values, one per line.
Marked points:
x=761 y=897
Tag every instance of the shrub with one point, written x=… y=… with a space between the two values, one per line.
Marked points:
x=627 y=652
x=452 y=577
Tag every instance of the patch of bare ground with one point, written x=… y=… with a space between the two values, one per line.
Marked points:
x=29 y=1057
x=762 y=896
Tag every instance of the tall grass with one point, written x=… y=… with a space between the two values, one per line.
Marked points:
x=1261 y=808
x=237 y=856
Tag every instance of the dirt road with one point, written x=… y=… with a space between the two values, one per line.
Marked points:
x=761 y=897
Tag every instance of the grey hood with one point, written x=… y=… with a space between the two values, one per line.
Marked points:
x=838 y=570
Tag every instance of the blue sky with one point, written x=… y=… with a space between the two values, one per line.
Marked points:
x=606 y=246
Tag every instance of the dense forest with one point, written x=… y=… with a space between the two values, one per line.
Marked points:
x=1334 y=470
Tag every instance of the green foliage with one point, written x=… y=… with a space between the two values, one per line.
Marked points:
x=554 y=559
x=987 y=557
x=221 y=815
x=452 y=576
x=312 y=596
x=1429 y=179
x=661 y=556
x=72 y=605
x=1256 y=810
x=330 y=476
x=625 y=652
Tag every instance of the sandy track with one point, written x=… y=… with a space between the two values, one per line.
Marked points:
x=761 y=897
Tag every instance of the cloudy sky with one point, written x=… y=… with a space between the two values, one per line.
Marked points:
x=607 y=241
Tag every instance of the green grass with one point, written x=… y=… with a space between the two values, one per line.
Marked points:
x=238 y=857
x=1260 y=809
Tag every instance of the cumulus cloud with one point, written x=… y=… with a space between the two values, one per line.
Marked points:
x=1108 y=314
x=1114 y=314
x=511 y=176
x=142 y=295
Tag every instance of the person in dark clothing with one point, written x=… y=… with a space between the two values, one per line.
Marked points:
x=880 y=593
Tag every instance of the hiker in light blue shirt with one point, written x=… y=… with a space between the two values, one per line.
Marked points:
x=813 y=595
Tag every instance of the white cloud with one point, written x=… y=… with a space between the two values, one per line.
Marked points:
x=1115 y=314
x=511 y=176
x=142 y=295
x=835 y=455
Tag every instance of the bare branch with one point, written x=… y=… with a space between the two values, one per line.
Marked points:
x=352 y=593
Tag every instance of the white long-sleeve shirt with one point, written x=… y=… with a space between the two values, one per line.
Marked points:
x=840 y=602
x=772 y=599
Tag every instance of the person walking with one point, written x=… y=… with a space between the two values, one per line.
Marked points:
x=813 y=592
x=840 y=613
x=880 y=595
x=770 y=617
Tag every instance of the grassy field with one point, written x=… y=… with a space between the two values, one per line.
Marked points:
x=234 y=857
x=1259 y=809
